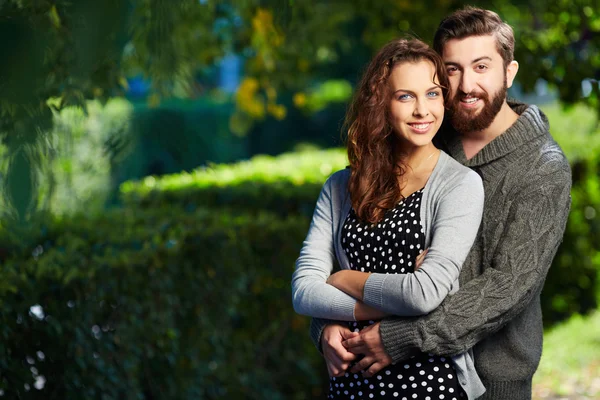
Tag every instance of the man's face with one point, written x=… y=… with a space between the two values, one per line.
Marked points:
x=478 y=82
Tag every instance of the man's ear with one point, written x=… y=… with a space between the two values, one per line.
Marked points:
x=511 y=72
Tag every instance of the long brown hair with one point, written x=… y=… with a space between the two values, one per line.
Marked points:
x=375 y=167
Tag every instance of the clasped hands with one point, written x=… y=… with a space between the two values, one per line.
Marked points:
x=341 y=346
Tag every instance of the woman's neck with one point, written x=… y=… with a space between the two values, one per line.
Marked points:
x=418 y=157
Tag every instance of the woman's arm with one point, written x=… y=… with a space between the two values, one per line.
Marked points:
x=363 y=312
x=353 y=282
x=350 y=282
x=311 y=295
x=457 y=219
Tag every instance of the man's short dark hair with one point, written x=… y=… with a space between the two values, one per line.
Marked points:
x=472 y=21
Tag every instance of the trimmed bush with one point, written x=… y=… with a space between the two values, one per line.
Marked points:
x=289 y=183
x=573 y=284
x=159 y=304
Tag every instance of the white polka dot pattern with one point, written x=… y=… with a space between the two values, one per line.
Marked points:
x=392 y=246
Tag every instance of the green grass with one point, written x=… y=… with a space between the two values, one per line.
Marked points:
x=570 y=366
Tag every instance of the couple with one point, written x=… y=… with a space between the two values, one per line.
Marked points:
x=408 y=222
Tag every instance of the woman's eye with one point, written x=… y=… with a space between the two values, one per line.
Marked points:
x=404 y=97
x=433 y=94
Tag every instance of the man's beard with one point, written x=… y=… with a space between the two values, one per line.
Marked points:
x=466 y=120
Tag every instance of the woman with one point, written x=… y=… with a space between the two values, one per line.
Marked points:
x=400 y=196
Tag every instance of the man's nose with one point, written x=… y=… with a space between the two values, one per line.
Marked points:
x=467 y=82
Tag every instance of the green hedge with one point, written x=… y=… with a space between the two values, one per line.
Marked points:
x=159 y=304
x=573 y=284
x=289 y=183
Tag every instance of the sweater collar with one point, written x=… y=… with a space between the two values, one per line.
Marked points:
x=531 y=123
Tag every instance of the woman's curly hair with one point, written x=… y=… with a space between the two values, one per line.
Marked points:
x=371 y=142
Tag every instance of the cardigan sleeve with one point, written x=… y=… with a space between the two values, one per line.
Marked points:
x=515 y=274
x=311 y=295
x=454 y=228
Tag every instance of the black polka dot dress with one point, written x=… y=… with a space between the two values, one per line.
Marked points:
x=391 y=247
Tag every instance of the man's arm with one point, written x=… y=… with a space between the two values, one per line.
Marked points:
x=482 y=306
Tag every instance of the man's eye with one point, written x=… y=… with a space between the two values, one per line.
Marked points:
x=481 y=67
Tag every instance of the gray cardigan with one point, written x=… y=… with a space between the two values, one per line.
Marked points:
x=451 y=209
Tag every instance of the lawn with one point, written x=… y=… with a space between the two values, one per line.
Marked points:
x=570 y=366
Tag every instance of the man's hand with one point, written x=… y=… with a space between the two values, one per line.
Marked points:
x=336 y=356
x=368 y=342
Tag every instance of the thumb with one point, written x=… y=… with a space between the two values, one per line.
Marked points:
x=348 y=334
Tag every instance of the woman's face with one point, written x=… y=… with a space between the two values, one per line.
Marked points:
x=417 y=103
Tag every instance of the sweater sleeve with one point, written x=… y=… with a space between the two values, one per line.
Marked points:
x=530 y=238
x=311 y=295
x=454 y=228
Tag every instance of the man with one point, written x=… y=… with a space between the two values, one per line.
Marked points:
x=527 y=181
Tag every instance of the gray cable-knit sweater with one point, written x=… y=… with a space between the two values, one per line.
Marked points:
x=497 y=312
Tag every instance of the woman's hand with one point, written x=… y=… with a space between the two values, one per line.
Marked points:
x=420 y=259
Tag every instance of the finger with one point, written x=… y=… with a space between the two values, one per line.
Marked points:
x=375 y=368
x=329 y=369
x=362 y=365
x=348 y=357
x=353 y=342
x=356 y=347
x=340 y=371
x=335 y=347
x=358 y=350
x=333 y=359
x=343 y=354
x=349 y=334
x=335 y=370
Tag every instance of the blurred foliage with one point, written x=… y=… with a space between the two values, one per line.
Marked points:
x=573 y=284
x=307 y=50
x=84 y=49
x=75 y=172
x=155 y=304
x=85 y=146
x=324 y=94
